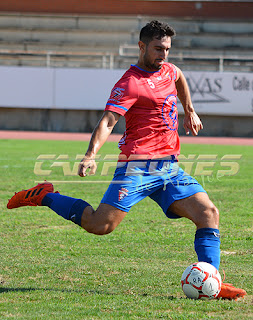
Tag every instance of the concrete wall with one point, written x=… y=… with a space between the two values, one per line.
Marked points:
x=52 y=120
x=86 y=120
x=221 y=9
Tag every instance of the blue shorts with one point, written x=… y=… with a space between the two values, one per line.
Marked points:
x=161 y=180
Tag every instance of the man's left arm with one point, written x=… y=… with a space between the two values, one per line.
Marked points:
x=192 y=121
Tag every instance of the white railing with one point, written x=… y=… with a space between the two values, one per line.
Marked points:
x=108 y=59
x=133 y=52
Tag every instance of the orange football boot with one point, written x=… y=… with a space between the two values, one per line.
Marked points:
x=228 y=291
x=30 y=197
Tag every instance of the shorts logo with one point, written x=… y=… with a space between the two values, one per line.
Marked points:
x=123 y=192
x=117 y=94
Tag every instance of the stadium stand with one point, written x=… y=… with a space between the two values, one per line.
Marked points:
x=212 y=35
x=110 y=41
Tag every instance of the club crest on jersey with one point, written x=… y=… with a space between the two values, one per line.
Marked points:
x=123 y=192
x=117 y=94
x=169 y=112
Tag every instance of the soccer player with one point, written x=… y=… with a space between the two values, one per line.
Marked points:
x=146 y=96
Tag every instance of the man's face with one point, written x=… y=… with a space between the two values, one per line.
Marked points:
x=155 y=53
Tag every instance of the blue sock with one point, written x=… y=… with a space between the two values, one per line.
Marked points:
x=67 y=207
x=207 y=246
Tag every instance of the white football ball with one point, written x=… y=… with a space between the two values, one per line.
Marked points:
x=201 y=280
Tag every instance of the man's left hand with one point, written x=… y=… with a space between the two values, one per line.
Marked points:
x=192 y=123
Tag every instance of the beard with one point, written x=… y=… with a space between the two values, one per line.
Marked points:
x=151 y=65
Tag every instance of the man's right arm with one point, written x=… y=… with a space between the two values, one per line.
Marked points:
x=98 y=138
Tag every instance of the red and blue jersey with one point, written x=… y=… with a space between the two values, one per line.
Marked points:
x=148 y=101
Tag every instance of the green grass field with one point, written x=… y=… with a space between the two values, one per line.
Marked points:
x=52 y=269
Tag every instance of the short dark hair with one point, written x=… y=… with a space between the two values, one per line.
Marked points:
x=156 y=29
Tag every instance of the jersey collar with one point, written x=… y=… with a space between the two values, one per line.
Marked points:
x=152 y=72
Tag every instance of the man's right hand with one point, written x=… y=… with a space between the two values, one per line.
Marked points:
x=87 y=163
x=98 y=138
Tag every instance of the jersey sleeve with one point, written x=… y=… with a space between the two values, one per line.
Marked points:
x=123 y=95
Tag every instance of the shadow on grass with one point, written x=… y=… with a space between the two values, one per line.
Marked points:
x=35 y=289
x=99 y=292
